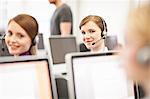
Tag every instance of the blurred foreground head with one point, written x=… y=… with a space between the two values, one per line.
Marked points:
x=137 y=50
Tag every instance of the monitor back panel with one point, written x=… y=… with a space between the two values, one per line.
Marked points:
x=40 y=44
x=60 y=46
x=3 y=48
x=98 y=76
x=111 y=42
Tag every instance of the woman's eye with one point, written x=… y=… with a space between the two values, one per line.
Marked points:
x=8 y=33
x=83 y=32
x=91 y=31
x=20 y=35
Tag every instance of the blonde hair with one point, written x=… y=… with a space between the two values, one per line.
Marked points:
x=140 y=18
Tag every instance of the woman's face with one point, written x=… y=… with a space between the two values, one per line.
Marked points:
x=17 y=40
x=91 y=35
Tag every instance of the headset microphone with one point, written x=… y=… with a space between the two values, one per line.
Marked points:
x=96 y=41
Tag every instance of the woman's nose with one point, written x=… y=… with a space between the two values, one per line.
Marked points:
x=13 y=39
x=87 y=35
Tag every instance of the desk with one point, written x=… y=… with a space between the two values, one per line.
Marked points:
x=59 y=71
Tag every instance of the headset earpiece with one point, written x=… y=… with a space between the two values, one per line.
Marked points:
x=35 y=41
x=104 y=32
x=143 y=56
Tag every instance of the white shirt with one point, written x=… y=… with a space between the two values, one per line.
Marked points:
x=103 y=49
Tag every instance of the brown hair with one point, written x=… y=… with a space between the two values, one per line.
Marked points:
x=30 y=25
x=96 y=19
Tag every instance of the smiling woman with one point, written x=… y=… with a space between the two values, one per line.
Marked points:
x=93 y=29
x=20 y=35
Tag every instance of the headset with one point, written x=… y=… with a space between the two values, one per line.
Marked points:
x=35 y=40
x=104 y=31
x=143 y=55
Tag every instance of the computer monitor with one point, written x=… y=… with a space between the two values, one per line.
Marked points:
x=40 y=44
x=3 y=48
x=26 y=77
x=60 y=46
x=111 y=42
x=97 y=76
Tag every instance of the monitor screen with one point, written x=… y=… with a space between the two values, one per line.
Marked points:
x=25 y=80
x=60 y=46
x=100 y=77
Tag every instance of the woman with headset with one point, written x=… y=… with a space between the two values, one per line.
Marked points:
x=93 y=29
x=20 y=35
x=136 y=54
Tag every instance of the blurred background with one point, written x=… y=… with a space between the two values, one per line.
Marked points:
x=114 y=13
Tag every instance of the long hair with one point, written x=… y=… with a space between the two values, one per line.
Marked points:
x=30 y=25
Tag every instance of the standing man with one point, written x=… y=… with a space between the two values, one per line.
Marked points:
x=61 y=21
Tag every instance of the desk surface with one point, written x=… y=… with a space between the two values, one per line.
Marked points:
x=59 y=69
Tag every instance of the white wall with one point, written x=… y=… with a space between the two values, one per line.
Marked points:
x=114 y=13
x=40 y=9
x=2 y=14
